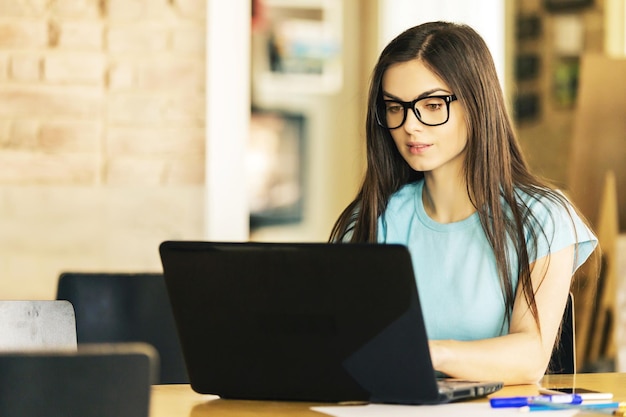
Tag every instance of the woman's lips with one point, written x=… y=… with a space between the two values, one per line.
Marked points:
x=417 y=148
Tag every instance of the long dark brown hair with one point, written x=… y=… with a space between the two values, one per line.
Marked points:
x=494 y=166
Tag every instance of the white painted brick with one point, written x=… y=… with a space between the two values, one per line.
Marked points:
x=134 y=171
x=138 y=38
x=25 y=67
x=106 y=147
x=188 y=109
x=70 y=136
x=24 y=134
x=156 y=109
x=137 y=109
x=30 y=168
x=124 y=10
x=4 y=67
x=88 y=9
x=77 y=35
x=75 y=68
x=169 y=142
x=189 y=170
x=192 y=9
x=20 y=8
x=5 y=133
x=121 y=75
x=117 y=10
x=51 y=102
x=190 y=39
x=180 y=74
x=22 y=33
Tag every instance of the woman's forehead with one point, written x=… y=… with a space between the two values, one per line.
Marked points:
x=411 y=79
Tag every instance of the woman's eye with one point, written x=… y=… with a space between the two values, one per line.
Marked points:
x=394 y=108
x=432 y=105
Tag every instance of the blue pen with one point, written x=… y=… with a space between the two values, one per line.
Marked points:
x=507 y=402
x=543 y=406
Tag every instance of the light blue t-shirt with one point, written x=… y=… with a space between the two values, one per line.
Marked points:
x=455 y=268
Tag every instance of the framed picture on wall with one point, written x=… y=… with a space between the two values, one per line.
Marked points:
x=565 y=81
x=527 y=107
x=275 y=167
x=527 y=66
x=528 y=27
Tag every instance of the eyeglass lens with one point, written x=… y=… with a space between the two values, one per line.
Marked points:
x=430 y=111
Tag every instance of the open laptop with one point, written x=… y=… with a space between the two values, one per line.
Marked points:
x=304 y=321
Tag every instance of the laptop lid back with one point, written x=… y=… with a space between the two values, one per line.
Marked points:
x=306 y=321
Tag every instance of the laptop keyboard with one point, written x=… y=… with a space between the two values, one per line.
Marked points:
x=462 y=387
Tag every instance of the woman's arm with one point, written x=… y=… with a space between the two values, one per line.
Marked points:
x=522 y=356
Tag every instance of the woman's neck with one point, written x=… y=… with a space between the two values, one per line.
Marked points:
x=446 y=199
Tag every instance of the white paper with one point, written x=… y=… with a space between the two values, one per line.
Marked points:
x=461 y=409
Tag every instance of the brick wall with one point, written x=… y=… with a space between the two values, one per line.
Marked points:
x=101 y=135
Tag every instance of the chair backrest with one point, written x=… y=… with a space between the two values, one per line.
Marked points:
x=37 y=325
x=563 y=360
x=95 y=381
x=126 y=307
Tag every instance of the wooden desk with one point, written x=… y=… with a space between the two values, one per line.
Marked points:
x=182 y=401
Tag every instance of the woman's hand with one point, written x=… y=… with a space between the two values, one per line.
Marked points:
x=522 y=356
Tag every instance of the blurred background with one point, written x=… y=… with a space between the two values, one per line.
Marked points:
x=124 y=123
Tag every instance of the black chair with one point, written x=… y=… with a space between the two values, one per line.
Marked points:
x=126 y=307
x=95 y=381
x=563 y=359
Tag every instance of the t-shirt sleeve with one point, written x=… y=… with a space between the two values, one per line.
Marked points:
x=562 y=227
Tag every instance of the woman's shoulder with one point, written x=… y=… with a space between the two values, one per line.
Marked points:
x=542 y=198
x=547 y=209
x=550 y=210
x=556 y=223
x=405 y=195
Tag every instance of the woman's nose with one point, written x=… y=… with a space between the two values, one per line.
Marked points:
x=412 y=123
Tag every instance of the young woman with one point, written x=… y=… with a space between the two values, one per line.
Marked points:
x=494 y=247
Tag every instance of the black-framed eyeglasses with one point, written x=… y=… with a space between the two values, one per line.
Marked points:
x=430 y=110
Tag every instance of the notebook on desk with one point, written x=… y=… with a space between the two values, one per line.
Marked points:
x=304 y=321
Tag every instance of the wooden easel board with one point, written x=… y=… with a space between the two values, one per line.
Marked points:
x=599 y=138
x=597 y=185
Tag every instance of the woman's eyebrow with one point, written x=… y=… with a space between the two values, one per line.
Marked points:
x=424 y=94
